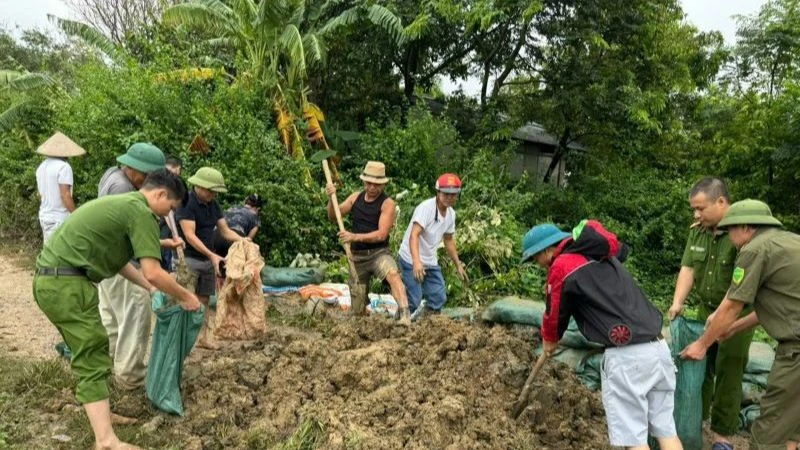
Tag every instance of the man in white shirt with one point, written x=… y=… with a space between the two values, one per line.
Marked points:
x=54 y=182
x=433 y=222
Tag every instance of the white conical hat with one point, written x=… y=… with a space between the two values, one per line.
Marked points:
x=60 y=146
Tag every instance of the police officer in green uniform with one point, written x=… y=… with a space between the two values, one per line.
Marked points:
x=706 y=270
x=766 y=276
x=96 y=242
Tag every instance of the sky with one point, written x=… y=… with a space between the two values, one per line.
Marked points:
x=706 y=15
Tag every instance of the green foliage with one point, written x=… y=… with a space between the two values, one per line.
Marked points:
x=416 y=152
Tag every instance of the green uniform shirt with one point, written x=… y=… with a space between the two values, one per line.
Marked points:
x=711 y=256
x=101 y=236
x=767 y=275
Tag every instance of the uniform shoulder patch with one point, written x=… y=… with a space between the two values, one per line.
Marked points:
x=738 y=275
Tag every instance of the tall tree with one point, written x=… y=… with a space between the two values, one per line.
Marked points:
x=118 y=19
x=608 y=72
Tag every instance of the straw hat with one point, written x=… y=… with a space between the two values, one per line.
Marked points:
x=374 y=172
x=60 y=146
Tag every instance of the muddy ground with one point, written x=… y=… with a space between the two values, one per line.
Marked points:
x=375 y=385
x=328 y=383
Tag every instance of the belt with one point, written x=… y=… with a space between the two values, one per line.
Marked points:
x=60 y=272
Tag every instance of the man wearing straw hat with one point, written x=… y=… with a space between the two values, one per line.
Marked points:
x=767 y=276
x=373 y=215
x=197 y=220
x=54 y=182
x=125 y=306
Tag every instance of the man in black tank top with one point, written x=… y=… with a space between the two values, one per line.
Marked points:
x=373 y=215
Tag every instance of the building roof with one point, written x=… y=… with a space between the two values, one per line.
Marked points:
x=535 y=132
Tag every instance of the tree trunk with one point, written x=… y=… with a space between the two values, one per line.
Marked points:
x=558 y=155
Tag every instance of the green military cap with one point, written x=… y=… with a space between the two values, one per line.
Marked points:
x=749 y=212
x=209 y=178
x=143 y=157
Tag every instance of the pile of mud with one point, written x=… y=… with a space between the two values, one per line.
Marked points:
x=369 y=383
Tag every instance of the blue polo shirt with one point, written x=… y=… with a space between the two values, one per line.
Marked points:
x=205 y=217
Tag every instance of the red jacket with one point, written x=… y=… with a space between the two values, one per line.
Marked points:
x=588 y=282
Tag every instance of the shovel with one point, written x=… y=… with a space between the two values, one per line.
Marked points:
x=184 y=275
x=522 y=401
x=323 y=156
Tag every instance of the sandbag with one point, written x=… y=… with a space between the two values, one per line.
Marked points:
x=588 y=370
x=574 y=339
x=751 y=393
x=760 y=358
x=241 y=312
x=291 y=276
x=174 y=336
x=530 y=312
x=688 y=411
x=758 y=379
x=515 y=310
x=748 y=415
x=572 y=357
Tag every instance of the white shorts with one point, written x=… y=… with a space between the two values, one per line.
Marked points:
x=638 y=383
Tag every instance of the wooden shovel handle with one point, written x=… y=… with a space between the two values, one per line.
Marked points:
x=522 y=401
x=170 y=218
x=335 y=202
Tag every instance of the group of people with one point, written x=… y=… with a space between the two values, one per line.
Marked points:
x=101 y=262
x=742 y=270
x=416 y=274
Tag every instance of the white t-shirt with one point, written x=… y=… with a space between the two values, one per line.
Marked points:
x=434 y=227
x=50 y=173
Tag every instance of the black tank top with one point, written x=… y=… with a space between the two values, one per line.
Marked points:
x=366 y=216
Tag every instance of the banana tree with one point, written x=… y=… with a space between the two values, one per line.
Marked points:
x=22 y=82
x=278 y=43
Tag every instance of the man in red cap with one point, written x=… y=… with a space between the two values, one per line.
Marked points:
x=433 y=222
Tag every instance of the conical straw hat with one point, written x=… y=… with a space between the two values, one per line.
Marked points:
x=60 y=146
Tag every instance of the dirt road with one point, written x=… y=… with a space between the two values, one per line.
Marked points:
x=24 y=330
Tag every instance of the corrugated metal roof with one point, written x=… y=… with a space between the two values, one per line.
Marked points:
x=535 y=132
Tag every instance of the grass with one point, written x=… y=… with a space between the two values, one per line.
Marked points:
x=27 y=388
x=308 y=436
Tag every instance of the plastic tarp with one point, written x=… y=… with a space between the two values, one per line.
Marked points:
x=688 y=410
x=291 y=276
x=174 y=336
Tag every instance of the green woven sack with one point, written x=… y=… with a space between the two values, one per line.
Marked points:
x=688 y=410
x=174 y=336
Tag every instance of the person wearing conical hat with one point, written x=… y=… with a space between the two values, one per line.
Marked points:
x=197 y=220
x=54 y=181
x=373 y=214
x=766 y=276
